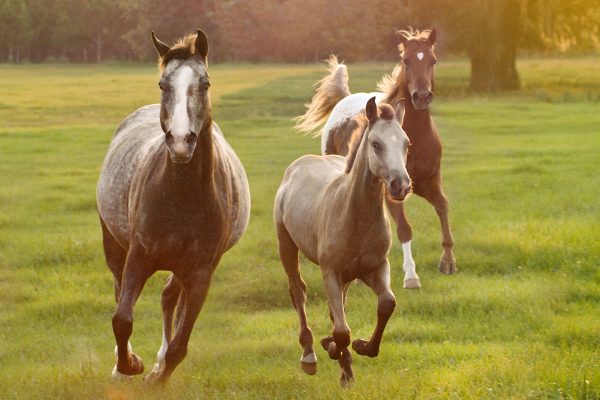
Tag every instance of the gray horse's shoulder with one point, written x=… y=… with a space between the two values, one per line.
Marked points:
x=150 y=112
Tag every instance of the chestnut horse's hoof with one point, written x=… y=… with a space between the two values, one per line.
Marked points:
x=447 y=267
x=361 y=346
x=153 y=377
x=330 y=347
x=412 y=283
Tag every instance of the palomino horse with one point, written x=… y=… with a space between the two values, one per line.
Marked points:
x=172 y=195
x=414 y=80
x=332 y=209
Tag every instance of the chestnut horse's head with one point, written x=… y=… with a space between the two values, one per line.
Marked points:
x=418 y=60
x=184 y=100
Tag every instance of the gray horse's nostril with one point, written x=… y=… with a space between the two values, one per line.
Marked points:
x=191 y=138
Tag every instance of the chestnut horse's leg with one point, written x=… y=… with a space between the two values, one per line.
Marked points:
x=434 y=194
x=379 y=282
x=194 y=291
x=134 y=277
x=411 y=279
x=170 y=296
x=288 y=252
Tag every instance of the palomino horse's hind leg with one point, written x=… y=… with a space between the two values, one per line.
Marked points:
x=170 y=296
x=379 y=282
x=115 y=256
x=134 y=277
x=404 y=231
x=434 y=194
x=194 y=292
x=288 y=253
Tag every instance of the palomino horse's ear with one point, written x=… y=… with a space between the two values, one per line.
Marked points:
x=201 y=44
x=403 y=39
x=160 y=46
x=432 y=36
x=371 y=111
x=399 y=111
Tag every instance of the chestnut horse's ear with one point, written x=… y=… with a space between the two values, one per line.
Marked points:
x=371 y=111
x=161 y=47
x=399 y=111
x=432 y=36
x=201 y=44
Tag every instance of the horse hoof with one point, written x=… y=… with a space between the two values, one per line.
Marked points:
x=119 y=377
x=309 y=368
x=346 y=380
x=412 y=283
x=325 y=342
x=447 y=267
x=361 y=347
x=333 y=351
x=152 y=377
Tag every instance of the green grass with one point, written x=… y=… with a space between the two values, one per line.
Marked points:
x=520 y=320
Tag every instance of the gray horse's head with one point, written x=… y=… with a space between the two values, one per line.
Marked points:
x=184 y=102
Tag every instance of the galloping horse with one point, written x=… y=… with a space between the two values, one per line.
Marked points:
x=413 y=79
x=332 y=209
x=172 y=195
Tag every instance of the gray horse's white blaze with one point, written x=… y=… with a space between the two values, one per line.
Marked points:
x=184 y=89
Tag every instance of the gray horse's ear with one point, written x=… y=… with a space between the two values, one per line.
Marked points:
x=161 y=47
x=432 y=36
x=201 y=44
x=399 y=111
x=371 y=110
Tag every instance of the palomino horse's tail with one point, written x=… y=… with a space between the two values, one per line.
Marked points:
x=330 y=90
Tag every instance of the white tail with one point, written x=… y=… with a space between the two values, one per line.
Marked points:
x=330 y=90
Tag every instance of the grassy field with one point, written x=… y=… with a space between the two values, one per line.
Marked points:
x=520 y=320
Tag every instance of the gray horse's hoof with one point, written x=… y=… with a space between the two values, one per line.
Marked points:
x=447 y=267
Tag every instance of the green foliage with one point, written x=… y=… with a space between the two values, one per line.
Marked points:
x=518 y=321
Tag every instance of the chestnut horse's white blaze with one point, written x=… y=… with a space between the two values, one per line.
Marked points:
x=332 y=209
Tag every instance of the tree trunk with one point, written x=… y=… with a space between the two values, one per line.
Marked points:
x=493 y=51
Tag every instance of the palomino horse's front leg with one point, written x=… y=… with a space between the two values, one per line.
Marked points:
x=134 y=277
x=194 y=292
x=404 y=231
x=434 y=194
x=379 y=282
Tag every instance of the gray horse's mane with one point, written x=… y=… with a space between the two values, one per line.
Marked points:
x=183 y=49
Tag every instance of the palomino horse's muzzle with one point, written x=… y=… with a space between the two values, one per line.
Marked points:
x=421 y=99
x=399 y=188
x=181 y=148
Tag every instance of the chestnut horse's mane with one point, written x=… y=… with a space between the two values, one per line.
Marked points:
x=183 y=49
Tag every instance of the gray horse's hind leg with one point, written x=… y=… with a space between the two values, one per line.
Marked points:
x=115 y=256
x=288 y=253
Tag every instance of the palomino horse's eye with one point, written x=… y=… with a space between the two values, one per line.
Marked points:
x=376 y=146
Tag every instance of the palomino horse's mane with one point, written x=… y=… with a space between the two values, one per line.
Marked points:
x=384 y=111
x=183 y=49
x=390 y=83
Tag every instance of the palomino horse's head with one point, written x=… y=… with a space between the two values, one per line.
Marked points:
x=388 y=147
x=184 y=101
x=418 y=61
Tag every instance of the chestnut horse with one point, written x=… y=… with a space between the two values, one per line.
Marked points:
x=332 y=209
x=413 y=79
x=172 y=196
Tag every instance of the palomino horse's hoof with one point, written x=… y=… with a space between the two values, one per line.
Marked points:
x=361 y=346
x=346 y=380
x=447 y=267
x=153 y=377
x=412 y=283
x=309 y=368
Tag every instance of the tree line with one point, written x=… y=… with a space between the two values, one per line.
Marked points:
x=489 y=31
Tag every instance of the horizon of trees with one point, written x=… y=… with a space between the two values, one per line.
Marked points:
x=489 y=32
